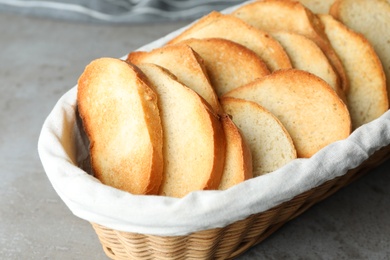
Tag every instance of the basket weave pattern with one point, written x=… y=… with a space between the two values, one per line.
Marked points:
x=230 y=241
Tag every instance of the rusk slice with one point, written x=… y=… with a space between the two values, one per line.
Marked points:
x=238 y=160
x=217 y=25
x=269 y=142
x=291 y=16
x=185 y=64
x=121 y=118
x=367 y=97
x=194 y=141
x=306 y=105
x=372 y=19
x=306 y=55
x=229 y=65
x=318 y=6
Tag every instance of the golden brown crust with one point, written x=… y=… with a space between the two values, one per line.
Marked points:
x=372 y=19
x=292 y=16
x=228 y=64
x=306 y=55
x=334 y=9
x=194 y=141
x=121 y=119
x=269 y=142
x=367 y=98
x=238 y=161
x=185 y=64
x=217 y=25
x=306 y=105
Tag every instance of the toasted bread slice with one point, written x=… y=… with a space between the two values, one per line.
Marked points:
x=306 y=105
x=367 y=98
x=194 y=141
x=185 y=64
x=238 y=160
x=270 y=144
x=372 y=19
x=318 y=6
x=291 y=16
x=306 y=55
x=217 y=25
x=228 y=64
x=121 y=119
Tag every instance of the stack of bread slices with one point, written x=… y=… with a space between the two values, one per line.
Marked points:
x=236 y=96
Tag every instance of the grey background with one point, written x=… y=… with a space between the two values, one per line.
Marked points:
x=117 y=11
x=40 y=59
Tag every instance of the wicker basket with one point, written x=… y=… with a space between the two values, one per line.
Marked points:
x=234 y=239
x=62 y=148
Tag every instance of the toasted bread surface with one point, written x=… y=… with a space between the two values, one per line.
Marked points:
x=372 y=19
x=217 y=25
x=193 y=137
x=121 y=118
x=270 y=144
x=306 y=55
x=185 y=64
x=291 y=16
x=306 y=105
x=367 y=98
x=238 y=160
x=228 y=64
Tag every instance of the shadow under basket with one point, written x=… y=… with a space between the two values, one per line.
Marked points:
x=230 y=241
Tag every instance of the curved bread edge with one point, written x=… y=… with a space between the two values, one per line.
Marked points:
x=121 y=118
x=194 y=141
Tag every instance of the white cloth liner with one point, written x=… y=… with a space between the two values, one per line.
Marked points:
x=62 y=147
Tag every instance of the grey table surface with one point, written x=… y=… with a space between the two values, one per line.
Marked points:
x=40 y=59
